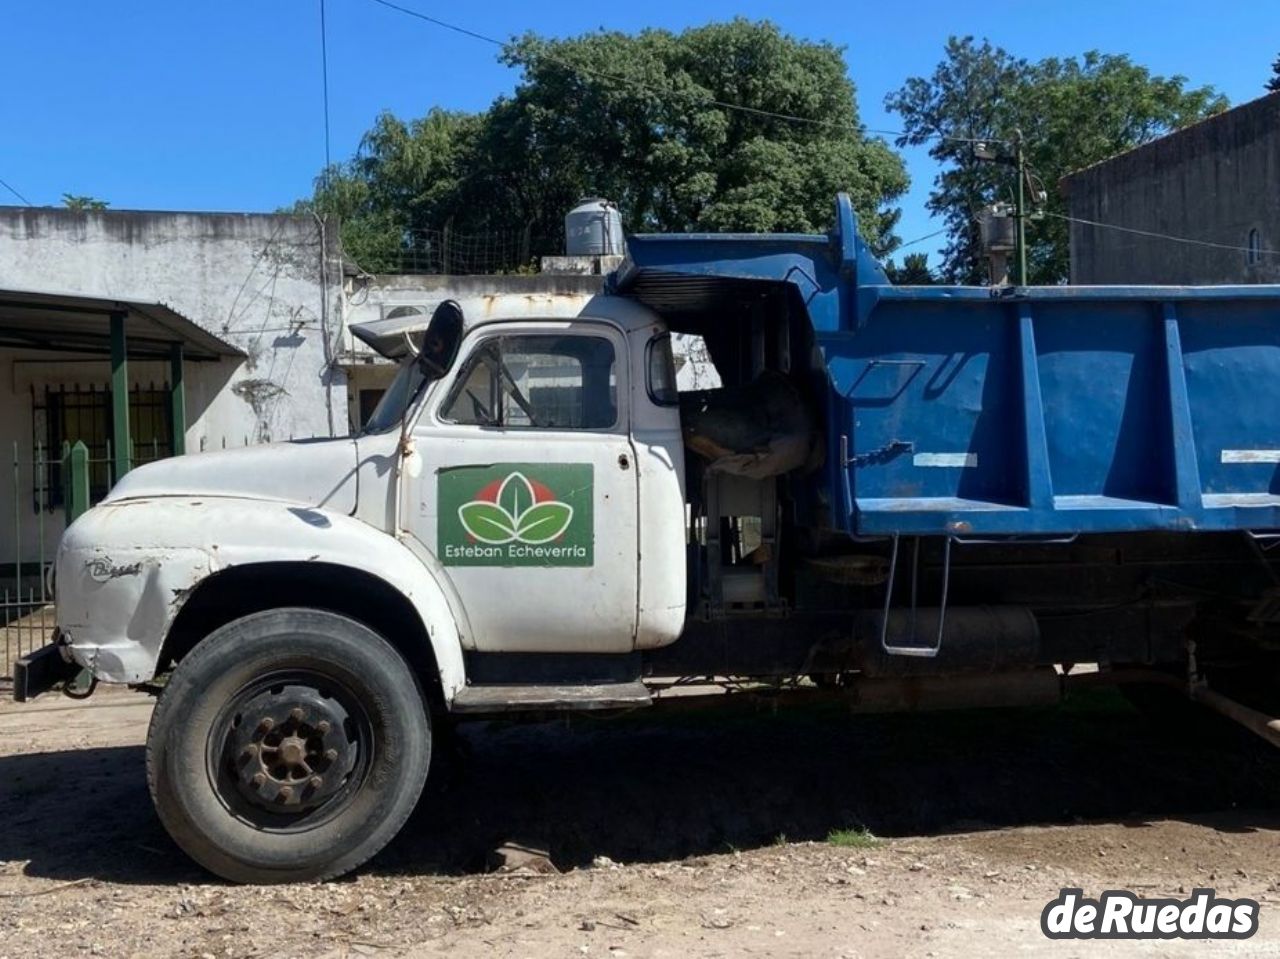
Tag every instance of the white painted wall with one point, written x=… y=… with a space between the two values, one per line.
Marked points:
x=253 y=279
x=266 y=283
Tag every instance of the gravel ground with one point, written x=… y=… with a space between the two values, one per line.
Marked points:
x=699 y=834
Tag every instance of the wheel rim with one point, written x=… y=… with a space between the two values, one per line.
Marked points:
x=290 y=750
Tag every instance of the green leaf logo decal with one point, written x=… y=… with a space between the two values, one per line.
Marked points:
x=515 y=495
x=487 y=522
x=519 y=512
x=543 y=522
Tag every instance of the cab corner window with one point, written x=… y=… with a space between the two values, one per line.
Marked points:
x=662 y=372
x=537 y=381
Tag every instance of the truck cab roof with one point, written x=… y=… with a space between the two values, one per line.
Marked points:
x=391 y=336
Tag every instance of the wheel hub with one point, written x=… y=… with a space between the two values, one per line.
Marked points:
x=290 y=748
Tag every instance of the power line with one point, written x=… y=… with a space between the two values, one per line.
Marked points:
x=792 y=118
x=921 y=239
x=653 y=88
x=16 y=193
x=440 y=23
x=324 y=71
x=1164 y=236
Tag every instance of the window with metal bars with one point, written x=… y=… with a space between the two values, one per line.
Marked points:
x=83 y=414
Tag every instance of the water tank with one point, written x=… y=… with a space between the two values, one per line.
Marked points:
x=593 y=228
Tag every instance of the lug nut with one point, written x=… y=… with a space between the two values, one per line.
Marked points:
x=315 y=782
x=296 y=714
x=331 y=754
x=323 y=727
x=259 y=779
x=251 y=750
x=267 y=724
x=286 y=793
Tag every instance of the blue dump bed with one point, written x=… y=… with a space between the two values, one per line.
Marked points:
x=1016 y=412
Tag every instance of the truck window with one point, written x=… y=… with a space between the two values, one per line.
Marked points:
x=662 y=372
x=397 y=398
x=550 y=382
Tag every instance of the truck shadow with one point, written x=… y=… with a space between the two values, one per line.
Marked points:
x=648 y=787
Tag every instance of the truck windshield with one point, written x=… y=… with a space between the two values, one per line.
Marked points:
x=402 y=391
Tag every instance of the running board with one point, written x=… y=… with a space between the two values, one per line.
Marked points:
x=510 y=699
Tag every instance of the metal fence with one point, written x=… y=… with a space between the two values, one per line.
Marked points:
x=26 y=615
x=44 y=494
x=452 y=252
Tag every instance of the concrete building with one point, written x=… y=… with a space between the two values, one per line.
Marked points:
x=238 y=306
x=223 y=330
x=1216 y=181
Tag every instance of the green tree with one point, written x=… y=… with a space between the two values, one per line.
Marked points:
x=405 y=176
x=913 y=272
x=1072 y=112
x=638 y=118
x=658 y=140
x=74 y=201
x=1273 y=84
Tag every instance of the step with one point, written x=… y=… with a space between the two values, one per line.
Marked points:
x=511 y=698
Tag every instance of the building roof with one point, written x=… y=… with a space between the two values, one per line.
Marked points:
x=68 y=322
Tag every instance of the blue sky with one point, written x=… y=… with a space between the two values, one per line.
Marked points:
x=157 y=104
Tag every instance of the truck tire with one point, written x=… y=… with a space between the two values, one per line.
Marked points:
x=287 y=746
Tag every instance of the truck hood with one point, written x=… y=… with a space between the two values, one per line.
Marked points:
x=318 y=473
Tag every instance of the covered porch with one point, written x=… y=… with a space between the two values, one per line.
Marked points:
x=89 y=388
x=118 y=329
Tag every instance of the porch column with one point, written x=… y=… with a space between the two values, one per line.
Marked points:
x=177 y=400
x=122 y=447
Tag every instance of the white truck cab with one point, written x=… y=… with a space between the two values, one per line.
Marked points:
x=518 y=496
x=543 y=465
x=546 y=465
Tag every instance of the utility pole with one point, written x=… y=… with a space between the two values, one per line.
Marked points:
x=1020 y=209
x=994 y=219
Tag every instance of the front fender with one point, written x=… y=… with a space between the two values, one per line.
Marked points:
x=125 y=569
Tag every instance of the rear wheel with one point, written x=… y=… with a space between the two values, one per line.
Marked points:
x=288 y=745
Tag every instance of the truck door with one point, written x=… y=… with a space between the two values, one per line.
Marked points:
x=528 y=494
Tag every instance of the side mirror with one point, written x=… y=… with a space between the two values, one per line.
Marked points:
x=441 y=340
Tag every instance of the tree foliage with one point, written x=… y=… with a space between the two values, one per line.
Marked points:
x=914 y=271
x=631 y=117
x=1273 y=83
x=74 y=201
x=1072 y=112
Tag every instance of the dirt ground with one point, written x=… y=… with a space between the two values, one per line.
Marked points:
x=672 y=835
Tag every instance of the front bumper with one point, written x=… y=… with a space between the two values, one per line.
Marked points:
x=41 y=671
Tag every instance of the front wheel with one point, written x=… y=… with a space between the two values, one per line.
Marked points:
x=289 y=745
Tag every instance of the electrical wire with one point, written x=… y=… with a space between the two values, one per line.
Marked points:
x=324 y=73
x=1163 y=236
x=330 y=358
x=328 y=157
x=792 y=118
x=16 y=193
x=921 y=239
x=653 y=88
